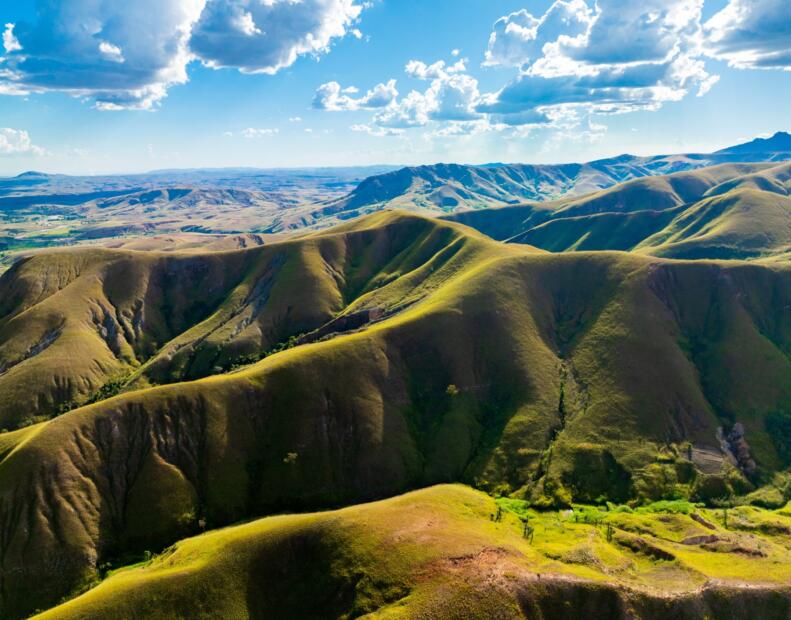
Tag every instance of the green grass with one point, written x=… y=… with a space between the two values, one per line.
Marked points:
x=730 y=211
x=438 y=553
x=367 y=411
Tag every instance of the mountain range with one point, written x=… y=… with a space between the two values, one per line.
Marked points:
x=444 y=188
x=561 y=407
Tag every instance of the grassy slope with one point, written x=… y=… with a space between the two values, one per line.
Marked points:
x=727 y=211
x=72 y=321
x=463 y=383
x=438 y=553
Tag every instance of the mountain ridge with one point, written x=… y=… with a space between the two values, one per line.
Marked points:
x=443 y=188
x=557 y=378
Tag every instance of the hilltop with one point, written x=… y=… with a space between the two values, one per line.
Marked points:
x=448 y=188
x=439 y=553
x=780 y=142
x=45 y=210
x=390 y=353
x=730 y=211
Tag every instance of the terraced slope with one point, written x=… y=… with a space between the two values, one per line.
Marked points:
x=728 y=211
x=438 y=553
x=435 y=355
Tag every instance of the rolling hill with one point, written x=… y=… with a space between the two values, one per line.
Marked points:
x=446 y=188
x=437 y=553
x=730 y=211
x=389 y=353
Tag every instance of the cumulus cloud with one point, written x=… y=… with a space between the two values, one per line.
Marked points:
x=128 y=54
x=333 y=98
x=644 y=31
x=265 y=36
x=611 y=57
x=422 y=71
x=120 y=54
x=752 y=34
x=581 y=59
x=18 y=142
x=520 y=37
x=451 y=96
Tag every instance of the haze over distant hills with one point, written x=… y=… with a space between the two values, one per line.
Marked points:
x=454 y=187
x=197 y=371
x=40 y=210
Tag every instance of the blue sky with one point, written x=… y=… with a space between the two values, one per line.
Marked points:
x=89 y=87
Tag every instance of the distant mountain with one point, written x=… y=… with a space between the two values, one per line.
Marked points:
x=447 y=188
x=778 y=143
x=726 y=211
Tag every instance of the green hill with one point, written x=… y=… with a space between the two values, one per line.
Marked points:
x=731 y=211
x=437 y=553
x=451 y=188
x=430 y=354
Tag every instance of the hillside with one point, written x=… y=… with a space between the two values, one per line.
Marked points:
x=448 y=188
x=437 y=553
x=729 y=211
x=40 y=210
x=395 y=352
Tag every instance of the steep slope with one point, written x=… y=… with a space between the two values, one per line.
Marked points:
x=75 y=324
x=437 y=553
x=727 y=211
x=447 y=188
x=554 y=377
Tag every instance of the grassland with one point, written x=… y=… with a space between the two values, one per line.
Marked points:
x=390 y=353
x=451 y=552
x=730 y=211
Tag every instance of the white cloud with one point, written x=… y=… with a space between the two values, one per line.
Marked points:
x=378 y=132
x=520 y=37
x=267 y=35
x=295 y=119
x=18 y=142
x=76 y=46
x=451 y=96
x=464 y=129
x=252 y=133
x=10 y=42
x=126 y=55
x=111 y=52
x=752 y=34
x=333 y=98
x=615 y=57
x=420 y=70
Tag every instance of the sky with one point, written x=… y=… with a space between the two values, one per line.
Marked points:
x=112 y=86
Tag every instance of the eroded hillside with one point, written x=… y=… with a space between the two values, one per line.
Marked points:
x=395 y=352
